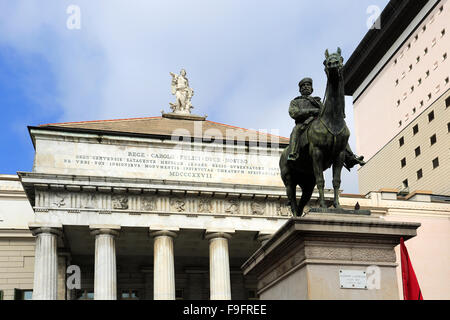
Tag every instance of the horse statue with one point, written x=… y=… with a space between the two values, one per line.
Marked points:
x=327 y=138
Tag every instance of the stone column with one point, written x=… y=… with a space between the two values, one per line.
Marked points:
x=45 y=286
x=163 y=265
x=105 y=274
x=219 y=266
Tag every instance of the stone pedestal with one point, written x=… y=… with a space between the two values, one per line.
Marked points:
x=164 y=265
x=105 y=276
x=45 y=286
x=326 y=256
x=219 y=266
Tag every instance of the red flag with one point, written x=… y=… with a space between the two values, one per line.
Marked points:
x=411 y=289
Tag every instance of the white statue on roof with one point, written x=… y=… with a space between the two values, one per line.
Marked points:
x=183 y=93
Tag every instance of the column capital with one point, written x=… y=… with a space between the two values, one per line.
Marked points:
x=37 y=229
x=167 y=233
x=209 y=235
x=105 y=229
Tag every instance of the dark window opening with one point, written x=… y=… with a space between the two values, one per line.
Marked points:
x=405 y=183
x=433 y=139
x=417 y=151
x=401 y=141
x=415 y=129
x=431 y=116
x=419 y=174
x=435 y=163
x=403 y=162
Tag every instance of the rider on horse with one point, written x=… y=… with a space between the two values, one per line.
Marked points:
x=304 y=110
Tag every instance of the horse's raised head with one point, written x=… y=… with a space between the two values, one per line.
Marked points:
x=333 y=62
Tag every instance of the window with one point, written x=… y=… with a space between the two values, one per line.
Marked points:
x=419 y=174
x=412 y=89
x=415 y=129
x=401 y=141
x=20 y=294
x=448 y=127
x=424 y=28
x=414 y=110
x=441 y=8
x=436 y=163
x=396 y=82
x=421 y=103
x=447 y=102
x=405 y=183
x=433 y=139
x=419 y=81
x=431 y=116
x=417 y=151
x=446 y=80
x=425 y=51
x=403 y=162
x=409 y=46
x=427 y=73
x=444 y=56
x=398 y=103
x=429 y=96
x=418 y=59
x=443 y=32
x=416 y=37
x=400 y=123
x=395 y=61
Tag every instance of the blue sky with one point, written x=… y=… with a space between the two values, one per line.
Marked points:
x=243 y=59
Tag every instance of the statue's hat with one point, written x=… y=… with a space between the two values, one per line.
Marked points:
x=304 y=80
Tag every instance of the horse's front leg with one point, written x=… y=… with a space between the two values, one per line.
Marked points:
x=337 y=169
x=292 y=197
x=317 y=159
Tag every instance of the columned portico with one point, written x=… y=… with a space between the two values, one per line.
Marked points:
x=164 y=265
x=219 y=265
x=45 y=284
x=105 y=274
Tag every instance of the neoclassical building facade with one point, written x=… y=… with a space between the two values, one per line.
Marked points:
x=167 y=208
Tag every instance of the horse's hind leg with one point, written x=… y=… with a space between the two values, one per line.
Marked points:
x=317 y=159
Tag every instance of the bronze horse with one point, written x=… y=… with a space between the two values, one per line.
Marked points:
x=327 y=138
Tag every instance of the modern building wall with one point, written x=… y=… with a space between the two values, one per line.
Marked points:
x=417 y=158
x=395 y=96
x=412 y=82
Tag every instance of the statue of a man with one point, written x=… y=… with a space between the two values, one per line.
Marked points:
x=304 y=110
x=183 y=93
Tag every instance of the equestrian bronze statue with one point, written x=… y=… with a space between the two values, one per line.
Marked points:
x=319 y=139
